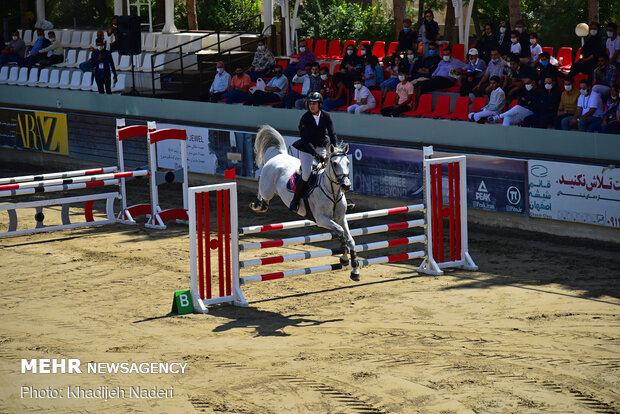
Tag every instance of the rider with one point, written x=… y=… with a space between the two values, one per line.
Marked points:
x=317 y=132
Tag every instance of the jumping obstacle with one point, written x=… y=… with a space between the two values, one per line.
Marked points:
x=439 y=203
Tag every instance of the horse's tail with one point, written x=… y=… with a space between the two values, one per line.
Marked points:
x=266 y=138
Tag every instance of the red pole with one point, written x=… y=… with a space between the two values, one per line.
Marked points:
x=433 y=207
x=207 y=250
x=451 y=207
x=220 y=242
x=201 y=280
x=227 y=241
x=457 y=208
x=440 y=213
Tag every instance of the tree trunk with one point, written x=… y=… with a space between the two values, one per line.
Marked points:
x=593 y=10
x=23 y=8
x=160 y=14
x=449 y=32
x=192 y=21
x=476 y=18
x=420 y=10
x=514 y=10
x=399 y=14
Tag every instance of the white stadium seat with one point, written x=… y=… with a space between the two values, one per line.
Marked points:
x=124 y=63
x=87 y=81
x=162 y=42
x=44 y=78
x=33 y=77
x=150 y=42
x=22 y=79
x=119 y=86
x=4 y=74
x=54 y=79
x=115 y=58
x=65 y=79
x=76 y=80
x=65 y=37
x=86 y=39
x=70 y=59
x=82 y=56
x=76 y=39
x=27 y=38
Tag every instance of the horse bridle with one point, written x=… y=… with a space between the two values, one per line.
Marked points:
x=339 y=177
x=338 y=183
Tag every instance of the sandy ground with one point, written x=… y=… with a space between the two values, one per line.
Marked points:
x=537 y=329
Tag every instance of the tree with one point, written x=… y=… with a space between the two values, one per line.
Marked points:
x=399 y=7
x=514 y=10
x=593 y=10
x=23 y=9
x=192 y=21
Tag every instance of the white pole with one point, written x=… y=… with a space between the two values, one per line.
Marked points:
x=40 y=13
x=286 y=30
x=470 y=9
x=118 y=7
x=267 y=13
x=169 y=27
x=293 y=24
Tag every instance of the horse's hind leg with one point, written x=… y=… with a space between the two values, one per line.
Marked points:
x=259 y=205
x=266 y=190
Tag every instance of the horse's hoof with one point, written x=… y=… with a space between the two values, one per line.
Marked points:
x=344 y=262
x=355 y=276
x=257 y=207
x=350 y=206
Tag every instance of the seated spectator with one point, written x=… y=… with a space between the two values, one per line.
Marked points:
x=503 y=40
x=530 y=101
x=568 y=104
x=496 y=103
x=591 y=50
x=365 y=51
x=410 y=61
x=474 y=71
x=496 y=67
x=328 y=88
x=545 y=116
x=374 y=61
x=604 y=76
x=406 y=37
x=303 y=77
x=535 y=49
x=314 y=85
x=518 y=71
x=443 y=76
x=546 y=69
x=101 y=60
x=305 y=56
x=404 y=92
x=15 y=50
x=394 y=69
x=612 y=109
x=53 y=54
x=363 y=98
x=424 y=67
x=32 y=54
x=239 y=87
x=369 y=76
x=611 y=124
x=339 y=97
x=263 y=62
x=112 y=33
x=86 y=66
x=589 y=108
x=220 y=85
x=515 y=46
x=351 y=66
x=486 y=43
x=524 y=41
x=612 y=45
x=274 y=91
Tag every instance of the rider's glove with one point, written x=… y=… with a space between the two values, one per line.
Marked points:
x=319 y=158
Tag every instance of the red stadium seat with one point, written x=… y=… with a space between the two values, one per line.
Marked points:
x=334 y=50
x=309 y=43
x=565 y=56
x=390 y=99
x=283 y=64
x=479 y=103
x=347 y=93
x=344 y=48
x=336 y=68
x=461 y=109
x=391 y=49
x=378 y=49
x=513 y=103
x=442 y=107
x=548 y=49
x=320 y=48
x=578 y=55
x=377 y=95
x=326 y=65
x=425 y=106
x=458 y=51
x=298 y=88
x=578 y=79
x=363 y=42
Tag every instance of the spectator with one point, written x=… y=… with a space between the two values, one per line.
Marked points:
x=496 y=102
x=591 y=50
x=113 y=35
x=546 y=69
x=496 y=67
x=568 y=104
x=545 y=116
x=524 y=41
x=351 y=65
x=263 y=61
x=474 y=71
x=274 y=91
x=239 y=87
x=220 y=85
x=612 y=45
x=362 y=97
x=404 y=93
x=314 y=85
x=611 y=124
x=101 y=60
x=535 y=49
x=518 y=71
x=369 y=76
x=15 y=50
x=604 y=76
x=611 y=112
x=410 y=60
x=33 y=53
x=394 y=69
x=328 y=88
x=303 y=77
x=86 y=65
x=365 y=51
x=374 y=61
x=339 y=98
x=443 y=76
x=515 y=46
x=424 y=67
x=486 y=43
x=406 y=37
x=305 y=56
x=53 y=54
x=503 y=40
x=530 y=102
x=429 y=30
x=589 y=108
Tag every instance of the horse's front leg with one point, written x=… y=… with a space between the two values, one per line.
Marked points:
x=325 y=222
x=355 y=272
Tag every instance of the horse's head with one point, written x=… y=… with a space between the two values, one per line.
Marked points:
x=338 y=166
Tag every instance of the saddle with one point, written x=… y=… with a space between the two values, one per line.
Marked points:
x=312 y=182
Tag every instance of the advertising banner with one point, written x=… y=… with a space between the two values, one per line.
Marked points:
x=574 y=192
x=34 y=130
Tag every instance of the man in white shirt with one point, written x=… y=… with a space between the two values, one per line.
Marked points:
x=613 y=44
x=589 y=107
x=220 y=85
x=496 y=103
x=364 y=100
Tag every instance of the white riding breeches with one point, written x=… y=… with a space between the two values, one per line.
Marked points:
x=306 y=162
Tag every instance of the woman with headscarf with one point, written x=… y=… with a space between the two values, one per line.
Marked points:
x=591 y=50
x=429 y=30
x=487 y=42
x=503 y=38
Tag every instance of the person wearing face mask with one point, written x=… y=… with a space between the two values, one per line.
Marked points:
x=314 y=85
x=515 y=46
x=496 y=103
x=406 y=36
x=474 y=71
x=441 y=78
x=404 y=98
x=363 y=98
x=410 y=62
x=518 y=71
x=86 y=65
x=374 y=62
x=220 y=85
x=352 y=65
x=369 y=76
x=53 y=54
x=301 y=77
x=274 y=91
x=524 y=41
x=530 y=101
x=397 y=65
x=589 y=108
x=33 y=54
x=612 y=44
x=15 y=50
x=545 y=116
x=568 y=105
x=305 y=57
x=340 y=97
x=263 y=62
x=239 y=87
x=611 y=119
x=486 y=43
x=496 y=67
x=328 y=88
x=546 y=69
x=428 y=30
x=424 y=67
x=101 y=60
x=535 y=49
x=605 y=76
x=591 y=50
x=503 y=39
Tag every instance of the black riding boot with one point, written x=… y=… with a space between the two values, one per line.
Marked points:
x=299 y=190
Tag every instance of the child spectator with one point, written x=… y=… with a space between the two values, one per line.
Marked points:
x=328 y=89
x=394 y=69
x=369 y=76
x=362 y=97
x=530 y=102
x=339 y=98
x=496 y=103
x=568 y=105
x=404 y=93
x=535 y=48
x=546 y=69
x=515 y=47
x=406 y=37
x=374 y=61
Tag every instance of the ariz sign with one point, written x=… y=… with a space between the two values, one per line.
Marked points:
x=33 y=130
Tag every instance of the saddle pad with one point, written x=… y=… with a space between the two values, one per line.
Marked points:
x=292 y=183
